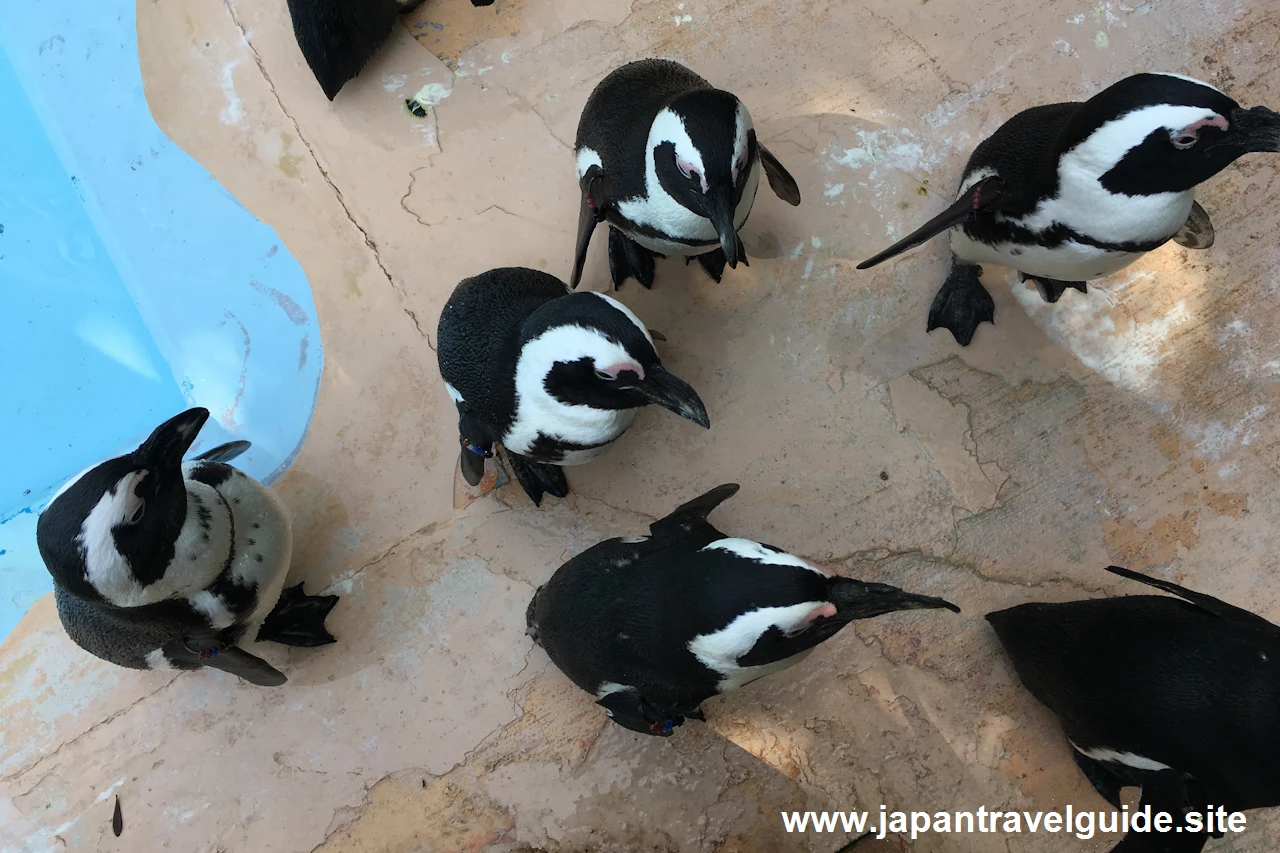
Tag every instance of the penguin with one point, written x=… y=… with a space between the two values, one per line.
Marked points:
x=161 y=564
x=339 y=37
x=655 y=625
x=1066 y=193
x=673 y=164
x=552 y=375
x=1176 y=695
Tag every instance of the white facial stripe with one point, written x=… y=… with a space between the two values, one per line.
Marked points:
x=635 y=321
x=749 y=550
x=157 y=660
x=110 y=574
x=720 y=650
x=537 y=411
x=669 y=127
x=1107 y=146
x=1128 y=759
x=586 y=158
x=1188 y=79
x=454 y=394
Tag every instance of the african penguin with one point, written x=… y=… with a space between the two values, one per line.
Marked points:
x=160 y=564
x=1065 y=193
x=339 y=37
x=673 y=164
x=552 y=375
x=1179 y=696
x=654 y=625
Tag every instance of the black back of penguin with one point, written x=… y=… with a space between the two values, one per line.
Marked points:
x=479 y=336
x=616 y=120
x=1159 y=678
x=339 y=37
x=657 y=614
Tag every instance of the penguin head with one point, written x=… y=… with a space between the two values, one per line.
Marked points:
x=128 y=509
x=703 y=147
x=586 y=349
x=774 y=605
x=1162 y=133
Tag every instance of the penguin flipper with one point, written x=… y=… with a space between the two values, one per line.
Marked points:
x=590 y=212
x=298 y=619
x=780 y=180
x=538 y=478
x=472 y=467
x=1197 y=231
x=986 y=194
x=1207 y=603
x=962 y=304
x=689 y=515
x=232 y=659
x=1051 y=289
x=628 y=259
x=224 y=452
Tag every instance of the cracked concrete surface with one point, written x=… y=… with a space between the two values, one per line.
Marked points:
x=1135 y=426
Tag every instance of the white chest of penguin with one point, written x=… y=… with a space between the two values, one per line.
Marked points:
x=254 y=539
x=540 y=414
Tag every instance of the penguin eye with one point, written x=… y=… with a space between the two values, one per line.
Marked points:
x=1185 y=140
x=686 y=168
x=608 y=377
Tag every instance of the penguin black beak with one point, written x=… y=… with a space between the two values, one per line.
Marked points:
x=673 y=393
x=860 y=600
x=719 y=200
x=166 y=446
x=1257 y=130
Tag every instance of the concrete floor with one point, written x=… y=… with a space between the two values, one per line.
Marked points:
x=1138 y=425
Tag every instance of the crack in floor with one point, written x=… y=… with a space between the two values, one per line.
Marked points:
x=368 y=240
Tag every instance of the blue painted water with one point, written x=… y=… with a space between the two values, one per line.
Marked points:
x=132 y=285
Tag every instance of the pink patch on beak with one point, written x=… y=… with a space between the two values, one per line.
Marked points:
x=614 y=369
x=1216 y=121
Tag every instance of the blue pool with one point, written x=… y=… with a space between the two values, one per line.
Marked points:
x=132 y=285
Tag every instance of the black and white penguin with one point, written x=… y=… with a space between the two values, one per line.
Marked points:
x=673 y=164
x=1178 y=696
x=339 y=37
x=552 y=375
x=655 y=625
x=158 y=564
x=1065 y=193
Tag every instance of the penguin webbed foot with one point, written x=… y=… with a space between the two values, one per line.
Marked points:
x=298 y=619
x=538 y=478
x=714 y=261
x=628 y=259
x=962 y=303
x=1051 y=289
